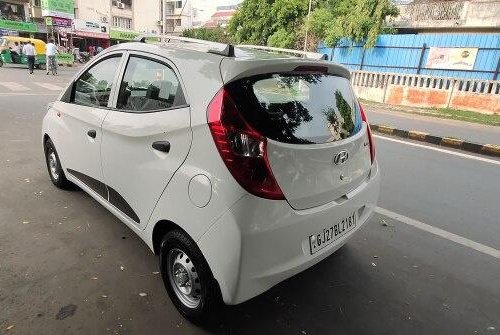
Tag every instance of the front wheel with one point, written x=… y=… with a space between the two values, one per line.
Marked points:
x=188 y=279
x=54 y=167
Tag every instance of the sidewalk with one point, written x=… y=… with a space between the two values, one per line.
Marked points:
x=389 y=115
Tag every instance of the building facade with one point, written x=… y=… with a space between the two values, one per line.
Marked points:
x=452 y=16
x=221 y=16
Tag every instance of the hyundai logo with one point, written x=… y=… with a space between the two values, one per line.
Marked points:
x=341 y=157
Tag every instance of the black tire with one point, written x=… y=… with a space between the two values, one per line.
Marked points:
x=208 y=312
x=57 y=176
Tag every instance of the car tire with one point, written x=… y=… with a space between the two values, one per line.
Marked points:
x=181 y=260
x=54 y=167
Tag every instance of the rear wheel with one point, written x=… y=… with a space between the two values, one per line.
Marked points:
x=188 y=279
x=54 y=167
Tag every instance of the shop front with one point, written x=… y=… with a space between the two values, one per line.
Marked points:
x=87 y=36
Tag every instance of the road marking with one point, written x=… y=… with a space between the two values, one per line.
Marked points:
x=459 y=154
x=14 y=86
x=27 y=93
x=48 y=86
x=440 y=232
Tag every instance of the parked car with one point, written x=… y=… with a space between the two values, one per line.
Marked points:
x=6 y=56
x=239 y=167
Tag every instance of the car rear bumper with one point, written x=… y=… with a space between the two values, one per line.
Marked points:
x=259 y=243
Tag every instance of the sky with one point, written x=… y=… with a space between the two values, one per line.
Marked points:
x=207 y=7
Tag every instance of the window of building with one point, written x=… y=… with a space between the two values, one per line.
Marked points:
x=178 y=4
x=36 y=3
x=122 y=22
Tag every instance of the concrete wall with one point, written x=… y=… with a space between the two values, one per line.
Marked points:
x=425 y=91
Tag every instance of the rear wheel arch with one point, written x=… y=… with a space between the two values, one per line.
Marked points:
x=161 y=228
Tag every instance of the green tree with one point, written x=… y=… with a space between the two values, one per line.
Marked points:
x=283 y=23
x=217 y=34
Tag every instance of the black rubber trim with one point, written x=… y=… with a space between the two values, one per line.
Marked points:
x=107 y=193
x=119 y=202
x=97 y=186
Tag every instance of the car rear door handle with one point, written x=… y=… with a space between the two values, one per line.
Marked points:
x=92 y=133
x=163 y=146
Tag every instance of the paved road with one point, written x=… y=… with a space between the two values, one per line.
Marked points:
x=60 y=249
x=478 y=133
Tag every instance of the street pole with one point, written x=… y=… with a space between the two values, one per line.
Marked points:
x=307 y=25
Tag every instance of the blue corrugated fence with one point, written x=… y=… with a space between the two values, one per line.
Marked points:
x=408 y=54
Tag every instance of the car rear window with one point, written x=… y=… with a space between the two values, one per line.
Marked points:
x=303 y=108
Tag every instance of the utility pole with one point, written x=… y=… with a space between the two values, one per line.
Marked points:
x=307 y=25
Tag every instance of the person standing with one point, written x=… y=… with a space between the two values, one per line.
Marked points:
x=50 y=53
x=16 y=53
x=30 y=53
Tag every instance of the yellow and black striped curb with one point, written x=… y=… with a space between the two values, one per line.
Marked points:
x=484 y=149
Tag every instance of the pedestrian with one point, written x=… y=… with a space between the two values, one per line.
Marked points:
x=30 y=52
x=99 y=49
x=50 y=53
x=15 y=53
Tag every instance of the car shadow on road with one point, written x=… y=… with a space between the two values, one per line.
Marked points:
x=308 y=303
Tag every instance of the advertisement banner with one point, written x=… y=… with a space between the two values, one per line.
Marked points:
x=452 y=58
x=65 y=58
x=90 y=29
x=58 y=8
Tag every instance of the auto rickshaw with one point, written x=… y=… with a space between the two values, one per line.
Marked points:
x=7 y=57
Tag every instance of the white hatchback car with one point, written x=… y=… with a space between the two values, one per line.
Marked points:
x=239 y=167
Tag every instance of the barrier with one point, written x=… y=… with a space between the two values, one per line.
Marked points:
x=427 y=91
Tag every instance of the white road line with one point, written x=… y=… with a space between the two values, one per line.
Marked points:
x=26 y=93
x=14 y=86
x=459 y=154
x=48 y=86
x=441 y=233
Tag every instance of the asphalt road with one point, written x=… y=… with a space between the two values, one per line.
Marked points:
x=477 y=133
x=61 y=253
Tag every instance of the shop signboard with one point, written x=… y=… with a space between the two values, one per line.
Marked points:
x=18 y=26
x=58 y=22
x=58 y=8
x=90 y=29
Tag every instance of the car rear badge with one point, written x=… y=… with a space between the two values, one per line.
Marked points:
x=341 y=157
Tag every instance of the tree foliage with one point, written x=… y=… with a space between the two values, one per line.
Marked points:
x=217 y=34
x=283 y=23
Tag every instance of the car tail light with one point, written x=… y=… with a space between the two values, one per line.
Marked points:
x=243 y=150
x=370 y=138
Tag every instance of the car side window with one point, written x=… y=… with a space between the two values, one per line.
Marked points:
x=149 y=86
x=94 y=85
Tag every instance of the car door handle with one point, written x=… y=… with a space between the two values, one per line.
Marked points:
x=92 y=133
x=163 y=146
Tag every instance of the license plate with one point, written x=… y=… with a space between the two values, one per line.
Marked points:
x=328 y=235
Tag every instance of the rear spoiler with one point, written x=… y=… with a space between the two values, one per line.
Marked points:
x=305 y=54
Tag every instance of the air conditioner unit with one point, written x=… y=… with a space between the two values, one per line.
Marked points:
x=121 y=5
x=159 y=22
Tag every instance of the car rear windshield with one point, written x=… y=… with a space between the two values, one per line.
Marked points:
x=298 y=108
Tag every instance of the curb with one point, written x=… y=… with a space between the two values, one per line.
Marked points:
x=484 y=149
